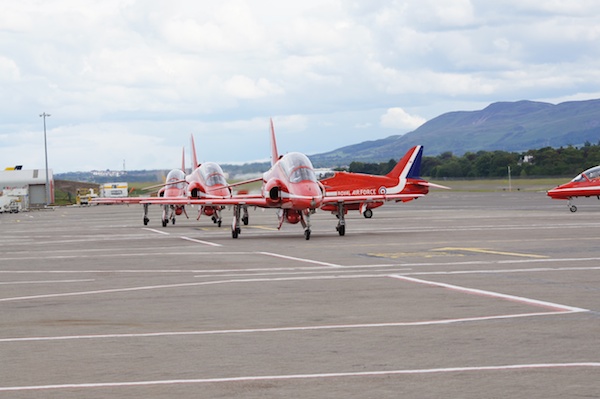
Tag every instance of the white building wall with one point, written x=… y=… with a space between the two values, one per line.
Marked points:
x=31 y=180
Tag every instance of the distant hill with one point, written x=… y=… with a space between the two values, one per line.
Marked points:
x=507 y=126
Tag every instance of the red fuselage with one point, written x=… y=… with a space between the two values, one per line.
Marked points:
x=586 y=184
x=358 y=184
x=291 y=184
x=175 y=185
x=208 y=180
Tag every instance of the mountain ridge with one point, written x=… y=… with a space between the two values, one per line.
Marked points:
x=508 y=126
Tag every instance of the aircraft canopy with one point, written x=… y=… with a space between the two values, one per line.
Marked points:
x=298 y=167
x=592 y=173
x=212 y=174
x=176 y=179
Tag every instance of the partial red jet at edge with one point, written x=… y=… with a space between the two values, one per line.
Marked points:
x=586 y=184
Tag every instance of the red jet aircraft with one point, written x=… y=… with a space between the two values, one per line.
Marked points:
x=363 y=192
x=290 y=186
x=586 y=184
x=174 y=187
x=207 y=180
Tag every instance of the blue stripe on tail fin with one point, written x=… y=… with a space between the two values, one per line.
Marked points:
x=415 y=169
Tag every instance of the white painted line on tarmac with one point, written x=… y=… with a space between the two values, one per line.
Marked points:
x=45 y=282
x=156 y=231
x=212 y=244
x=404 y=276
x=528 y=301
x=166 y=286
x=302 y=376
x=278 y=329
x=316 y=262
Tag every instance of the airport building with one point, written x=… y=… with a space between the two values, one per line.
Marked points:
x=28 y=185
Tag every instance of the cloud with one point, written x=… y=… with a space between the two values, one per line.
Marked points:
x=397 y=118
x=245 y=88
x=328 y=72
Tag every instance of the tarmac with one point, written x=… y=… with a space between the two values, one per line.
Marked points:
x=456 y=295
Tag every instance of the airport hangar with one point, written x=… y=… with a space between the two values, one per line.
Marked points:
x=29 y=185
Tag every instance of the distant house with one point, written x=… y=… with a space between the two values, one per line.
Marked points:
x=27 y=184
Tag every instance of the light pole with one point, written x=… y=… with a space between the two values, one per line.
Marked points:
x=44 y=115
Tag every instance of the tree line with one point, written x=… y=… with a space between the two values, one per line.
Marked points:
x=547 y=161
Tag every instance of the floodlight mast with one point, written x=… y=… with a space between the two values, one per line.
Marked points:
x=44 y=115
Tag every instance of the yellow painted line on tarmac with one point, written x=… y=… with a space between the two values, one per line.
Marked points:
x=489 y=251
x=398 y=255
x=262 y=228
x=225 y=227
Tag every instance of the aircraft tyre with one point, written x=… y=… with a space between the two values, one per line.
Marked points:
x=245 y=220
x=173 y=221
x=146 y=220
x=342 y=230
x=573 y=208
x=368 y=214
x=164 y=223
x=219 y=223
x=235 y=232
x=307 y=234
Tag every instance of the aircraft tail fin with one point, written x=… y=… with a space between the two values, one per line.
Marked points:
x=410 y=165
x=194 y=156
x=274 y=153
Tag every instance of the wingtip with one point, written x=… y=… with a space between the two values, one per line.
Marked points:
x=429 y=184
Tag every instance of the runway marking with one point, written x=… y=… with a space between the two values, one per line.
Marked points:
x=534 y=302
x=156 y=231
x=316 y=262
x=263 y=228
x=280 y=329
x=398 y=255
x=181 y=285
x=238 y=281
x=499 y=271
x=184 y=238
x=340 y=269
x=283 y=377
x=489 y=251
x=212 y=244
x=46 y=282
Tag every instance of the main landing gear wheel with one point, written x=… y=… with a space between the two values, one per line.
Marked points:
x=341 y=229
x=573 y=208
x=219 y=223
x=146 y=220
x=368 y=214
x=235 y=232
x=245 y=220
x=307 y=234
x=165 y=222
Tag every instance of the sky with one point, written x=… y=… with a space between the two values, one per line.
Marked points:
x=126 y=82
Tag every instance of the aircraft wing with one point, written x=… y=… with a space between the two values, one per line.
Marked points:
x=358 y=199
x=126 y=200
x=251 y=200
